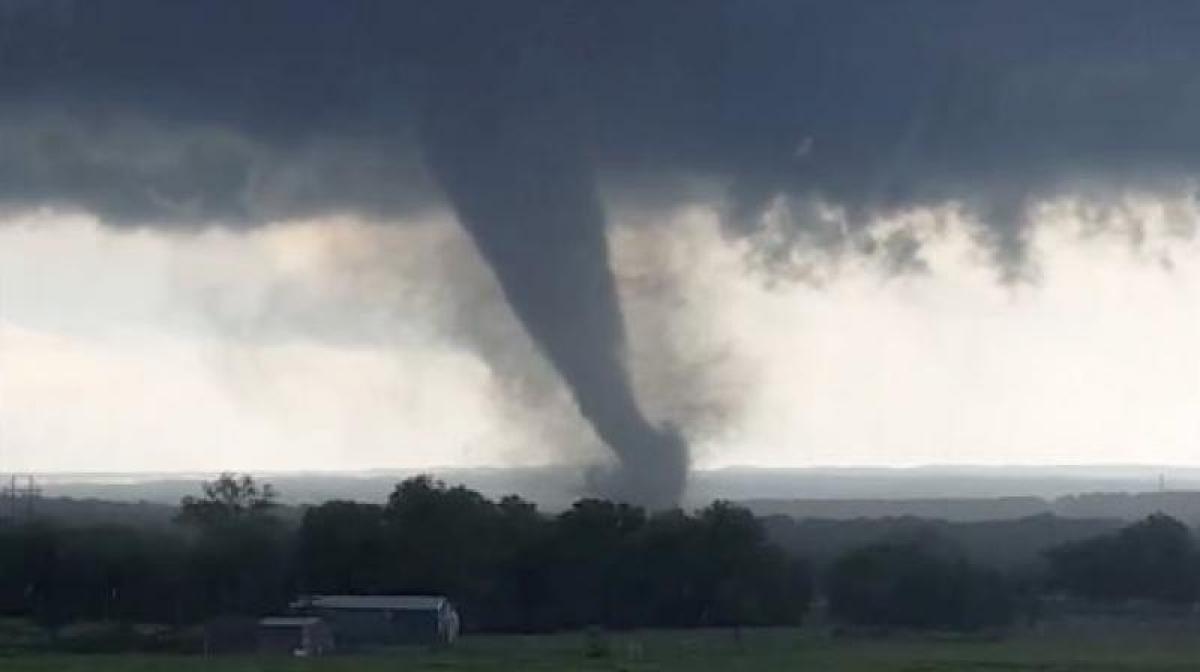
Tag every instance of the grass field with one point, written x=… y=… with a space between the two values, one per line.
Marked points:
x=700 y=651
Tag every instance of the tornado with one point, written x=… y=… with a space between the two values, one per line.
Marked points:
x=509 y=160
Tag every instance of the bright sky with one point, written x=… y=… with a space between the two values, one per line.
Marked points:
x=345 y=345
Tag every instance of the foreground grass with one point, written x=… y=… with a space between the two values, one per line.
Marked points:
x=701 y=651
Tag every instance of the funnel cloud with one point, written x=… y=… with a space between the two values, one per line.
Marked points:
x=518 y=181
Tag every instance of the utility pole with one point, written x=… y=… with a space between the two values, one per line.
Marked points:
x=19 y=497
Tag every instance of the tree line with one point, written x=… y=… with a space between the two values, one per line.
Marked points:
x=507 y=566
x=512 y=568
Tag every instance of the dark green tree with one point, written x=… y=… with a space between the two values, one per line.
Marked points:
x=239 y=556
x=228 y=497
x=343 y=548
x=1153 y=559
x=919 y=583
x=443 y=541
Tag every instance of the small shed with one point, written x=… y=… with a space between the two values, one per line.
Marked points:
x=383 y=620
x=300 y=636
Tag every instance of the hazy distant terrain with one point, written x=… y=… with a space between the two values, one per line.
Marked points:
x=947 y=493
x=1010 y=544
x=1184 y=505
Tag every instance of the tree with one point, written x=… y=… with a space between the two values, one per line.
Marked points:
x=522 y=598
x=57 y=574
x=588 y=542
x=918 y=583
x=343 y=548
x=226 y=498
x=747 y=580
x=443 y=541
x=239 y=556
x=1153 y=559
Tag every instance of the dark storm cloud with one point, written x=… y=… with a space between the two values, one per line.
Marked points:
x=239 y=112
x=868 y=104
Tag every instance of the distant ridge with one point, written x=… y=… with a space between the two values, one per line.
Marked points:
x=962 y=493
x=1184 y=505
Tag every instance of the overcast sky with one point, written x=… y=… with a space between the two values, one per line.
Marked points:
x=310 y=235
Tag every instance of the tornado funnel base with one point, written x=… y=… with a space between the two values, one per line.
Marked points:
x=651 y=472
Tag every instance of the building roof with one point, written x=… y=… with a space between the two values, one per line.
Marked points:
x=288 y=621
x=372 y=602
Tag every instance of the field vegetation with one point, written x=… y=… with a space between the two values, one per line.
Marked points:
x=699 y=651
